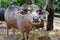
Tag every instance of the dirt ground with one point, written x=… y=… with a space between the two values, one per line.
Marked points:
x=37 y=34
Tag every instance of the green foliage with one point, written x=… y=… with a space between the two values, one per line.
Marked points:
x=6 y=3
x=57 y=5
x=19 y=2
x=40 y=3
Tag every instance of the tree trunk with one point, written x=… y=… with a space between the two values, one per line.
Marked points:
x=50 y=16
x=33 y=1
x=28 y=2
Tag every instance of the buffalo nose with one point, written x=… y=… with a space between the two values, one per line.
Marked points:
x=36 y=19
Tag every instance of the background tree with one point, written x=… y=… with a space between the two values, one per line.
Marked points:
x=28 y=2
x=51 y=15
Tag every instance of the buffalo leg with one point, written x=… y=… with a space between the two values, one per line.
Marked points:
x=7 y=35
x=14 y=35
x=25 y=35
